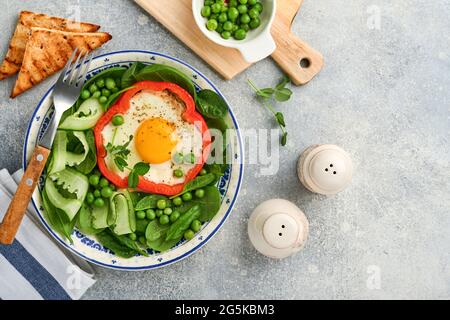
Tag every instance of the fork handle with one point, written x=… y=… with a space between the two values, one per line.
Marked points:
x=21 y=199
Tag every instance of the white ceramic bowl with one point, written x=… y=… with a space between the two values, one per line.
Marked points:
x=87 y=247
x=259 y=42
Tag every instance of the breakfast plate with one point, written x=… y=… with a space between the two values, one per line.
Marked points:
x=87 y=246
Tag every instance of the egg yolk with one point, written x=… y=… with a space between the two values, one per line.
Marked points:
x=155 y=140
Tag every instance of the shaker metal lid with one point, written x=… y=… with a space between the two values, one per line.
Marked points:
x=325 y=169
x=278 y=228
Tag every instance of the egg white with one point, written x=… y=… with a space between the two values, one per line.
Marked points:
x=149 y=104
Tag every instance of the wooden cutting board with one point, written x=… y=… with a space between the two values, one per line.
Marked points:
x=295 y=57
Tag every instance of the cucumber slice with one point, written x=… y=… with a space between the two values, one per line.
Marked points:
x=72 y=182
x=100 y=217
x=61 y=157
x=85 y=220
x=122 y=218
x=85 y=117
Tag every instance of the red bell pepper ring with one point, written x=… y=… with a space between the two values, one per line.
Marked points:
x=122 y=106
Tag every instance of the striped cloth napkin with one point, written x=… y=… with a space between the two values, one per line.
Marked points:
x=35 y=267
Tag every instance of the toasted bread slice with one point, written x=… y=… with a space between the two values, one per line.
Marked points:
x=47 y=52
x=27 y=20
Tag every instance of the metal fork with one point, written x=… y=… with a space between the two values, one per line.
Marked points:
x=65 y=94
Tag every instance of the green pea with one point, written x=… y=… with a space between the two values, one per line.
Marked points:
x=233 y=3
x=178 y=158
x=226 y=34
x=85 y=94
x=235 y=27
x=164 y=219
x=209 y=2
x=178 y=173
x=168 y=211
x=97 y=193
x=90 y=198
x=219 y=28
x=93 y=88
x=106 y=93
x=196 y=225
x=224 y=9
x=212 y=24
x=240 y=34
x=93 y=180
x=214 y=16
x=150 y=214
x=110 y=83
x=242 y=9
x=223 y=17
x=177 y=201
x=174 y=216
x=99 y=202
x=114 y=90
x=159 y=213
x=227 y=26
x=243 y=1
x=203 y=172
x=252 y=2
x=216 y=8
x=245 y=18
x=190 y=157
x=96 y=94
x=199 y=193
x=254 y=23
x=100 y=83
x=186 y=196
x=206 y=11
x=113 y=187
x=161 y=204
x=117 y=120
x=253 y=13
x=132 y=236
x=102 y=99
x=104 y=182
x=245 y=27
x=258 y=6
x=189 y=234
x=140 y=215
x=233 y=13
x=142 y=240
x=106 y=192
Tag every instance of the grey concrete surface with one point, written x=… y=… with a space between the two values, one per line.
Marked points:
x=384 y=95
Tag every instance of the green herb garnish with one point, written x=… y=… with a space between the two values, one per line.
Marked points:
x=281 y=94
x=120 y=155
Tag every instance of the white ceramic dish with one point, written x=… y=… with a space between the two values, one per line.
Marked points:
x=259 y=42
x=87 y=247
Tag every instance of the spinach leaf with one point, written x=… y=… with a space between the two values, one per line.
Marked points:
x=107 y=239
x=141 y=226
x=211 y=105
x=209 y=204
x=177 y=229
x=91 y=159
x=148 y=202
x=162 y=245
x=159 y=72
x=126 y=241
x=129 y=76
x=198 y=182
x=155 y=230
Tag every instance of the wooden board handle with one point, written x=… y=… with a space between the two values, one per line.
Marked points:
x=300 y=62
x=19 y=203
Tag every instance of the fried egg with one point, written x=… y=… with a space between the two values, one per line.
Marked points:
x=160 y=137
